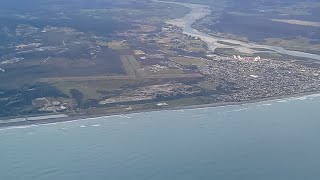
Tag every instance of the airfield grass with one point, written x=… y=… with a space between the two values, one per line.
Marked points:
x=90 y=89
x=96 y=89
x=130 y=65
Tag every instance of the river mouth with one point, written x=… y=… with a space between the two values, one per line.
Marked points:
x=198 y=12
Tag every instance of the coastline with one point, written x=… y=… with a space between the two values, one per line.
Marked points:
x=190 y=107
x=194 y=32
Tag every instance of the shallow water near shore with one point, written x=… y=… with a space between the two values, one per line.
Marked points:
x=266 y=140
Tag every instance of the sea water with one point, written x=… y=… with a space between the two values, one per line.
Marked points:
x=272 y=140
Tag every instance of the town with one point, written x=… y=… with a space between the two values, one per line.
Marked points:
x=153 y=65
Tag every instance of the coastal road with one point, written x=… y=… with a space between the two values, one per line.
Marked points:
x=160 y=76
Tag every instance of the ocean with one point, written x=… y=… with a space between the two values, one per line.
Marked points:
x=273 y=140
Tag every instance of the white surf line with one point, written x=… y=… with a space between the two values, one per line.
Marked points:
x=47 y=59
x=94 y=57
x=105 y=117
x=63 y=51
x=2 y=70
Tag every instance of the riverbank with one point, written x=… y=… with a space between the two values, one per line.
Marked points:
x=87 y=117
x=197 y=12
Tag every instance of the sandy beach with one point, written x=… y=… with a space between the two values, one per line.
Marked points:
x=87 y=117
x=197 y=12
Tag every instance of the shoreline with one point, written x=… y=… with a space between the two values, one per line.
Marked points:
x=77 y=117
x=189 y=107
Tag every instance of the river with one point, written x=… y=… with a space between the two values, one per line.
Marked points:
x=272 y=140
x=200 y=11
